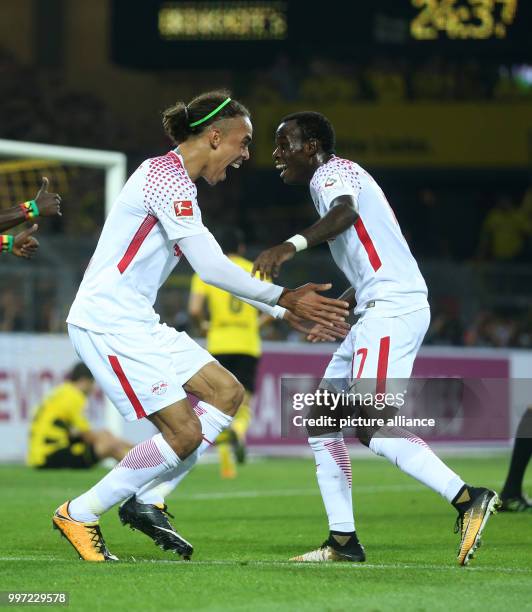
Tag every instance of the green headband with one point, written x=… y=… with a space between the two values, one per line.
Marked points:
x=212 y=113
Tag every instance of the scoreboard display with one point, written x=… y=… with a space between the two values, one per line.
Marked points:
x=167 y=34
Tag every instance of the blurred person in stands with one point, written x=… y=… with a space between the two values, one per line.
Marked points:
x=504 y=232
x=491 y=328
x=386 y=80
x=60 y=434
x=446 y=327
x=328 y=83
x=11 y=310
x=24 y=244
x=233 y=337
x=433 y=80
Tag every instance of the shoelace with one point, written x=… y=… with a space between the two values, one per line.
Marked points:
x=97 y=538
x=165 y=511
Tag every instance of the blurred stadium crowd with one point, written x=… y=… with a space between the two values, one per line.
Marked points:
x=458 y=230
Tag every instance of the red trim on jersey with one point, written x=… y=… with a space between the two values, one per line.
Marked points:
x=128 y=389
x=149 y=222
x=382 y=364
x=368 y=245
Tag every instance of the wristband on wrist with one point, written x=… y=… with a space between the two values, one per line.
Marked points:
x=299 y=241
x=278 y=312
x=7 y=243
x=30 y=209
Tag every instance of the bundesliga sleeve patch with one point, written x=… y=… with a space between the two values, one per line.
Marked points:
x=183 y=208
x=334 y=180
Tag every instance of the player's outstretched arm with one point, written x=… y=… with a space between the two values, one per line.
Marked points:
x=341 y=216
x=213 y=267
x=45 y=205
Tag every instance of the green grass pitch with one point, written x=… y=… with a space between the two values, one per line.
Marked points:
x=245 y=530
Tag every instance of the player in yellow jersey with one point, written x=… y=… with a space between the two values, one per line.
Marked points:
x=233 y=337
x=61 y=435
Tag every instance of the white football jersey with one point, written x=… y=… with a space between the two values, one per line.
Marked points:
x=373 y=254
x=138 y=247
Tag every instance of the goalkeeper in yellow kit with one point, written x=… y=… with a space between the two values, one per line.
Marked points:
x=232 y=328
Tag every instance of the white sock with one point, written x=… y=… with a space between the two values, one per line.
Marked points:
x=213 y=422
x=414 y=457
x=333 y=471
x=142 y=464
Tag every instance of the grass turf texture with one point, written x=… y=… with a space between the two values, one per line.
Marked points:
x=245 y=530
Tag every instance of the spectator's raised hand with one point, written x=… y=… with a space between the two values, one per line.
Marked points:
x=49 y=204
x=24 y=244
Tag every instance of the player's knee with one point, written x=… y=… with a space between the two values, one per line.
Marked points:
x=230 y=396
x=186 y=440
x=105 y=437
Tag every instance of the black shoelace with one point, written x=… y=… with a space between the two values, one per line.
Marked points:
x=97 y=538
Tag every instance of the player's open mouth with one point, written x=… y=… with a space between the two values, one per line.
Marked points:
x=282 y=168
x=236 y=164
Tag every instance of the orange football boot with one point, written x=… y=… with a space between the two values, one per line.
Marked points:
x=86 y=538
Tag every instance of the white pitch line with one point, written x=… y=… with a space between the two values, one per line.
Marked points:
x=288 y=564
x=292 y=492
x=362 y=489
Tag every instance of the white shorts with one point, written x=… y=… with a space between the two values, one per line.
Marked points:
x=143 y=371
x=380 y=349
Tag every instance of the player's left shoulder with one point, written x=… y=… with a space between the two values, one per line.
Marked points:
x=338 y=173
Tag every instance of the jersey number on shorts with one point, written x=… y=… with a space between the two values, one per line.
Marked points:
x=382 y=363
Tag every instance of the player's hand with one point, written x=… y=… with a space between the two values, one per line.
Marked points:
x=24 y=244
x=318 y=332
x=269 y=262
x=307 y=303
x=49 y=204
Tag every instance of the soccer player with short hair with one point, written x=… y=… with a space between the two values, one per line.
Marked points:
x=145 y=368
x=60 y=434
x=24 y=244
x=393 y=316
